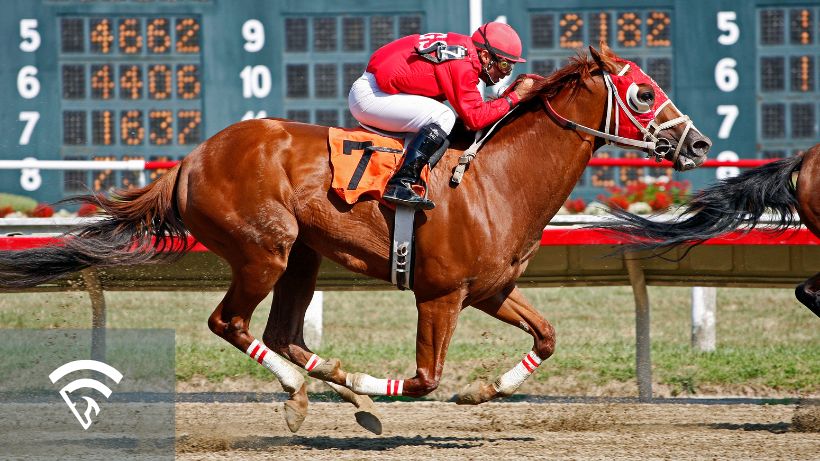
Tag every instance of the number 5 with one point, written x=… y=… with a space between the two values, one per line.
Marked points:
x=29 y=34
x=725 y=23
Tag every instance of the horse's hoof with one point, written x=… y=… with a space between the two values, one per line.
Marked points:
x=369 y=420
x=296 y=409
x=366 y=416
x=330 y=370
x=475 y=393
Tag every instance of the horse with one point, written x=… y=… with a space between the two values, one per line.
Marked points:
x=739 y=203
x=258 y=195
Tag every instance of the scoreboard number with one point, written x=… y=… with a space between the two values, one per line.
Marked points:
x=726 y=23
x=727 y=80
x=28 y=86
x=251 y=114
x=256 y=81
x=254 y=34
x=31 y=118
x=726 y=76
x=30 y=35
x=730 y=113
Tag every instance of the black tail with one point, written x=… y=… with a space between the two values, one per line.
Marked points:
x=733 y=203
x=133 y=232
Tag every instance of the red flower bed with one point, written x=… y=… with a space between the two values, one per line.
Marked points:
x=659 y=196
x=575 y=206
x=87 y=209
x=42 y=210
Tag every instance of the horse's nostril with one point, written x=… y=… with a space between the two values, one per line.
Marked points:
x=701 y=146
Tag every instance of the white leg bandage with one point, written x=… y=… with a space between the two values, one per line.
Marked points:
x=313 y=362
x=507 y=383
x=288 y=375
x=361 y=383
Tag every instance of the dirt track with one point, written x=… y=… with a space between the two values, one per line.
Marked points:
x=436 y=430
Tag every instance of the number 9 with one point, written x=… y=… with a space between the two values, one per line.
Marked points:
x=254 y=33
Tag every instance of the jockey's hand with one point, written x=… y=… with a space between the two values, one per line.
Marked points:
x=525 y=89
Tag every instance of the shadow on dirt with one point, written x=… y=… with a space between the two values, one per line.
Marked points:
x=189 y=444
x=774 y=428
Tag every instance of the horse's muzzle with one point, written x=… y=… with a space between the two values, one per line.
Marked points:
x=694 y=151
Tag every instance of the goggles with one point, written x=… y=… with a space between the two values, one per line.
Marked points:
x=504 y=66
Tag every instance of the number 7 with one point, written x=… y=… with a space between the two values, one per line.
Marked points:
x=730 y=112
x=31 y=118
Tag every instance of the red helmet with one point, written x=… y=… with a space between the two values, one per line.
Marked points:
x=499 y=39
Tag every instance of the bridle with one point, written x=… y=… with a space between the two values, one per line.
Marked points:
x=659 y=147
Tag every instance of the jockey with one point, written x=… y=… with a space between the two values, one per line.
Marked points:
x=406 y=81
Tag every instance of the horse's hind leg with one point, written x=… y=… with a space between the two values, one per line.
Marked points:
x=255 y=270
x=284 y=331
x=808 y=293
x=437 y=318
x=511 y=307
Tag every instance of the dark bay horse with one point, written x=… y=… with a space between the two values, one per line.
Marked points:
x=739 y=203
x=258 y=194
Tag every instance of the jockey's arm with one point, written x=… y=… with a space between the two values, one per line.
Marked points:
x=459 y=82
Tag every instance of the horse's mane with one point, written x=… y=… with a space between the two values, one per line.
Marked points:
x=579 y=68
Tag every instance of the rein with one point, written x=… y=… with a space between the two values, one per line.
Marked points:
x=658 y=147
x=472 y=151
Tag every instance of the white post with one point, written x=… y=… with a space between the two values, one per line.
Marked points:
x=476 y=14
x=704 y=301
x=313 y=321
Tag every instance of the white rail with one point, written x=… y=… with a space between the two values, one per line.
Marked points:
x=33 y=164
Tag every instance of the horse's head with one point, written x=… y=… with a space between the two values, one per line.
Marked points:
x=640 y=114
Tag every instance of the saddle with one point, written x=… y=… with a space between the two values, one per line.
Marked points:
x=362 y=162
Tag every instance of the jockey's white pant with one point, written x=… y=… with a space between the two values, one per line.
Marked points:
x=396 y=112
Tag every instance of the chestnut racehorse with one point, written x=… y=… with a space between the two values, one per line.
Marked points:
x=258 y=194
x=739 y=203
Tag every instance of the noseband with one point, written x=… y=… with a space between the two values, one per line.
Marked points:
x=657 y=147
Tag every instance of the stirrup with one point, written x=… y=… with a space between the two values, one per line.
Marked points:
x=420 y=204
x=406 y=196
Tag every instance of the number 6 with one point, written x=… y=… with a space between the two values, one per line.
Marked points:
x=726 y=77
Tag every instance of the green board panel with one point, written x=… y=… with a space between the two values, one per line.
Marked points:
x=99 y=80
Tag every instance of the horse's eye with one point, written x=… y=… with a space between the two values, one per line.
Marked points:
x=638 y=100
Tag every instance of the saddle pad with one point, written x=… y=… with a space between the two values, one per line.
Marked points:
x=362 y=162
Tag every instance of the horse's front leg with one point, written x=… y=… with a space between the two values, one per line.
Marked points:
x=511 y=307
x=436 y=322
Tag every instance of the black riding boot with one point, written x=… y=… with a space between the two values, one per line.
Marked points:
x=426 y=143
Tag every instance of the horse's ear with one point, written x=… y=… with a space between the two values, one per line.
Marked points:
x=602 y=58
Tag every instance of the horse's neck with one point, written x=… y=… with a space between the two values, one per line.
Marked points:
x=535 y=163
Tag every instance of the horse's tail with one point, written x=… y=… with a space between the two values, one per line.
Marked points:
x=732 y=203
x=141 y=225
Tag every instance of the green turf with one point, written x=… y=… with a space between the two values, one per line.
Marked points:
x=765 y=339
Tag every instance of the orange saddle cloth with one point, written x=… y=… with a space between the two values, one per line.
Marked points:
x=363 y=162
